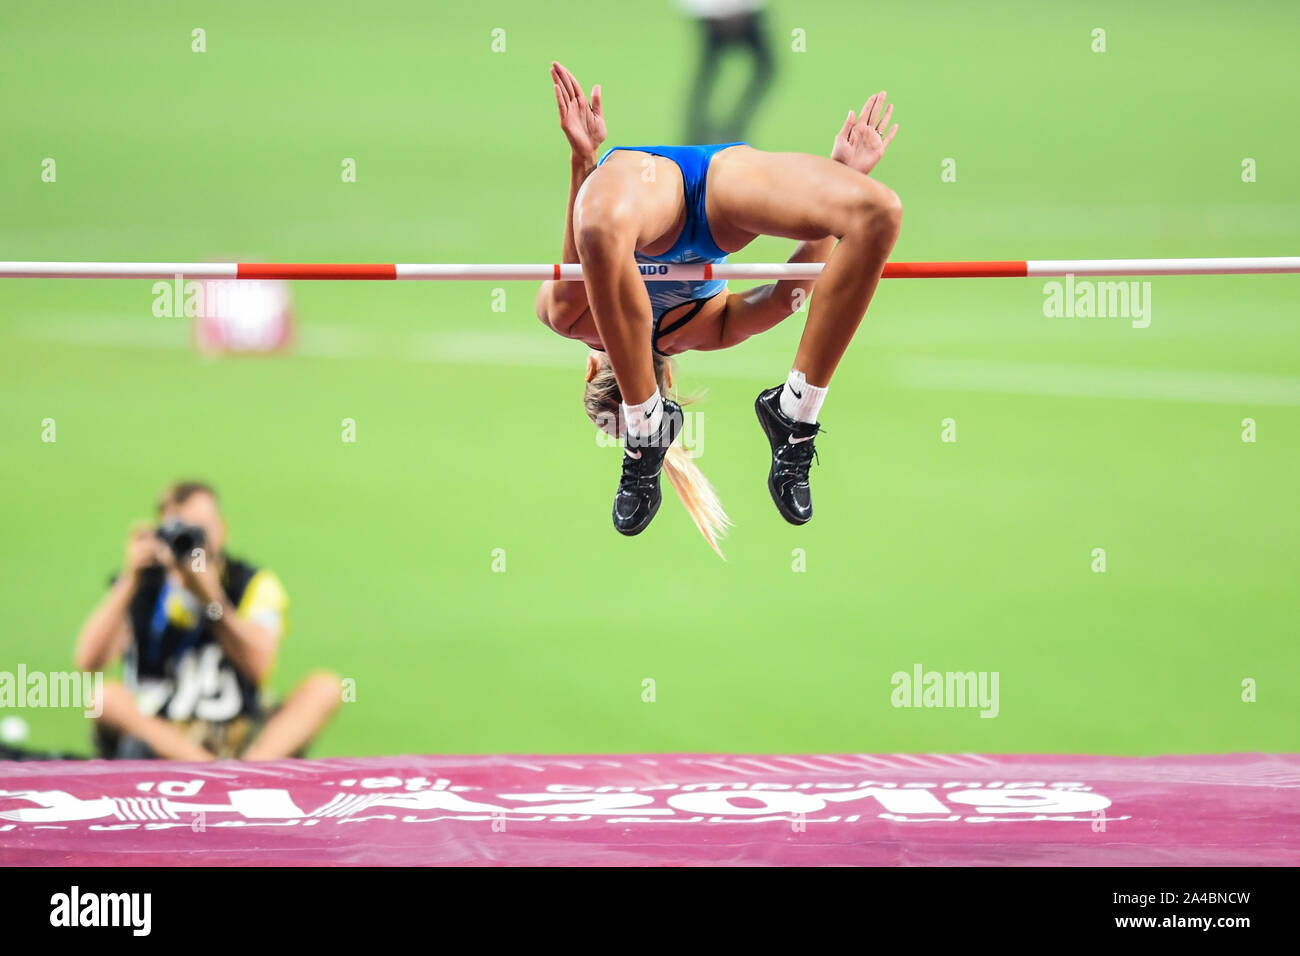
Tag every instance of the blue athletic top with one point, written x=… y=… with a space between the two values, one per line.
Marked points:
x=694 y=245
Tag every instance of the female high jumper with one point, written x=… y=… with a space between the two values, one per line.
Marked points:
x=695 y=204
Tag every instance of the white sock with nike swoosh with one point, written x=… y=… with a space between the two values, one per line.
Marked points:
x=643 y=420
x=801 y=401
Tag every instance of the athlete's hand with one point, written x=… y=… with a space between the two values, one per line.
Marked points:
x=583 y=122
x=861 y=143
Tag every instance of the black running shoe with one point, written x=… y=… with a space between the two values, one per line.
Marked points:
x=638 y=496
x=792 y=454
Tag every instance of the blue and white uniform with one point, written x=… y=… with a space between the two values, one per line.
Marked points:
x=694 y=245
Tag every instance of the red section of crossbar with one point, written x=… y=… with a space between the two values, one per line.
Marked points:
x=1008 y=269
x=316 y=270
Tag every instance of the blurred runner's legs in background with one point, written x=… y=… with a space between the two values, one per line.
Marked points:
x=727 y=23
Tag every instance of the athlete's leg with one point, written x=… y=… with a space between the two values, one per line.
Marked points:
x=618 y=208
x=631 y=203
x=806 y=197
x=798 y=196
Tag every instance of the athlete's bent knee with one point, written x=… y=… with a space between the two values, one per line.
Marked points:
x=603 y=227
x=875 y=209
x=891 y=207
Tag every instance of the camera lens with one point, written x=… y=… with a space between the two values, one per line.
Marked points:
x=182 y=538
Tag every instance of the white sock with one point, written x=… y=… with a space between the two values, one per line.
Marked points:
x=801 y=401
x=643 y=420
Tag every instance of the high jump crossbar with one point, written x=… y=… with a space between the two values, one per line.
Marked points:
x=651 y=271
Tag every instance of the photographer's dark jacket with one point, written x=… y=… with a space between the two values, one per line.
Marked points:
x=175 y=666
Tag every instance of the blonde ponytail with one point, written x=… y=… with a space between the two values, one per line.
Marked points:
x=601 y=400
x=698 y=496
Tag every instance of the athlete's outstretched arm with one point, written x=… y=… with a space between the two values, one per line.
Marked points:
x=563 y=305
x=756 y=310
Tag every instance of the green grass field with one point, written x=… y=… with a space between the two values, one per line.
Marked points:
x=1072 y=434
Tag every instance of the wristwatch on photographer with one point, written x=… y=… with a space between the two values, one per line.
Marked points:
x=215 y=611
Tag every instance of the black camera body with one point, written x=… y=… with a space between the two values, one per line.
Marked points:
x=182 y=538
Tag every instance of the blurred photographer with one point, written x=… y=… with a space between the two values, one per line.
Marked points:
x=199 y=631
